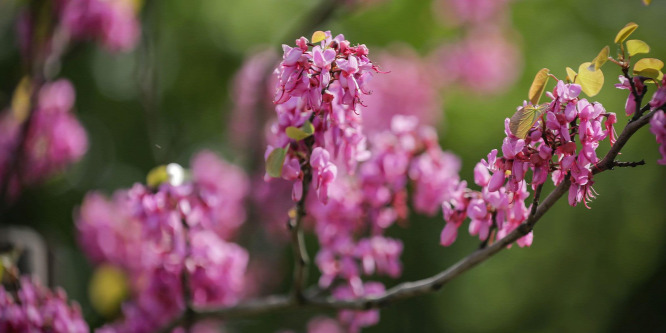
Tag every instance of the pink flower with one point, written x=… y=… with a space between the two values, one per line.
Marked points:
x=324 y=325
x=485 y=62
x=658 y=128
x=33 y=308
x=355 y=320
x=158 y=235
x=113 y=23
x=408 y=89
x=55 y=138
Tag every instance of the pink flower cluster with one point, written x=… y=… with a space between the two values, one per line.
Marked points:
x=658 y=121
x=111 y=22
x=34 y=308
x=562 y=144
x=158 y=235
x=321 y=87
x=353 y=321
x=351 y=225
x=566 y=118
x=55 y=138
x=500 y=210
x=459 y=12
x=485 y=60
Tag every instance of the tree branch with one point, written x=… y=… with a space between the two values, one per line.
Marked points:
x=407 y=290
x=628 y=164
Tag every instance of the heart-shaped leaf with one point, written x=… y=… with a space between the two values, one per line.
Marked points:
x=538 y=85
x=300 y=133
x=600 y=59
x=318 y=36
x=275 y=161
x=636 y=46
x=590 y=82
x=625 y=32
x=523 y=120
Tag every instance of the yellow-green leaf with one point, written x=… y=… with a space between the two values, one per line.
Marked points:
x=571 y=74
x=636 y=46
x=625 y=32
x=318 y=36
x=649 y=67
x=275 y=161
x=522 y=121
x=648 y=63
x=157 y=176
x=2 y=270
x=538 y=85
x=300 y=133
x=651 y=73
x=107 y=290
x=600 y=59
x=590 y=82
x=21 y=99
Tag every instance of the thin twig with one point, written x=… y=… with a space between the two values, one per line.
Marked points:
x=628 y=164
x=301 y=259
x=537 y=197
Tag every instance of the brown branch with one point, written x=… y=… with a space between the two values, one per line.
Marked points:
x=620 y=164
x=428 y=285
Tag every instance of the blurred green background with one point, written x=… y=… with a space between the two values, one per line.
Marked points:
x=592 y=270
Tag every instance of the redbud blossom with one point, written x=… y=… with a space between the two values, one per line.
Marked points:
x=321 y=89
x=157 y=235
x=34 y=308
x=111 y=22
x=55 y=138
x=658 y=128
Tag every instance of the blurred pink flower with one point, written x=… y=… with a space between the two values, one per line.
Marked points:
x=483 y=62
x=111 y=22
x=36 y=309
x=55 y=138
x=410 y=89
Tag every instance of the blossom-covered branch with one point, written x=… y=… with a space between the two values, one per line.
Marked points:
x=428 y=285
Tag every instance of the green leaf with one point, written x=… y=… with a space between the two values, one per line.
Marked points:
x=571 y=74
x=275 y=161
x=625 y=32
x=318 y=36
x=636 y=46
x=522 y=121
x=300 y=133
x=600 y=59
x=538 y=85
x=590 y=82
